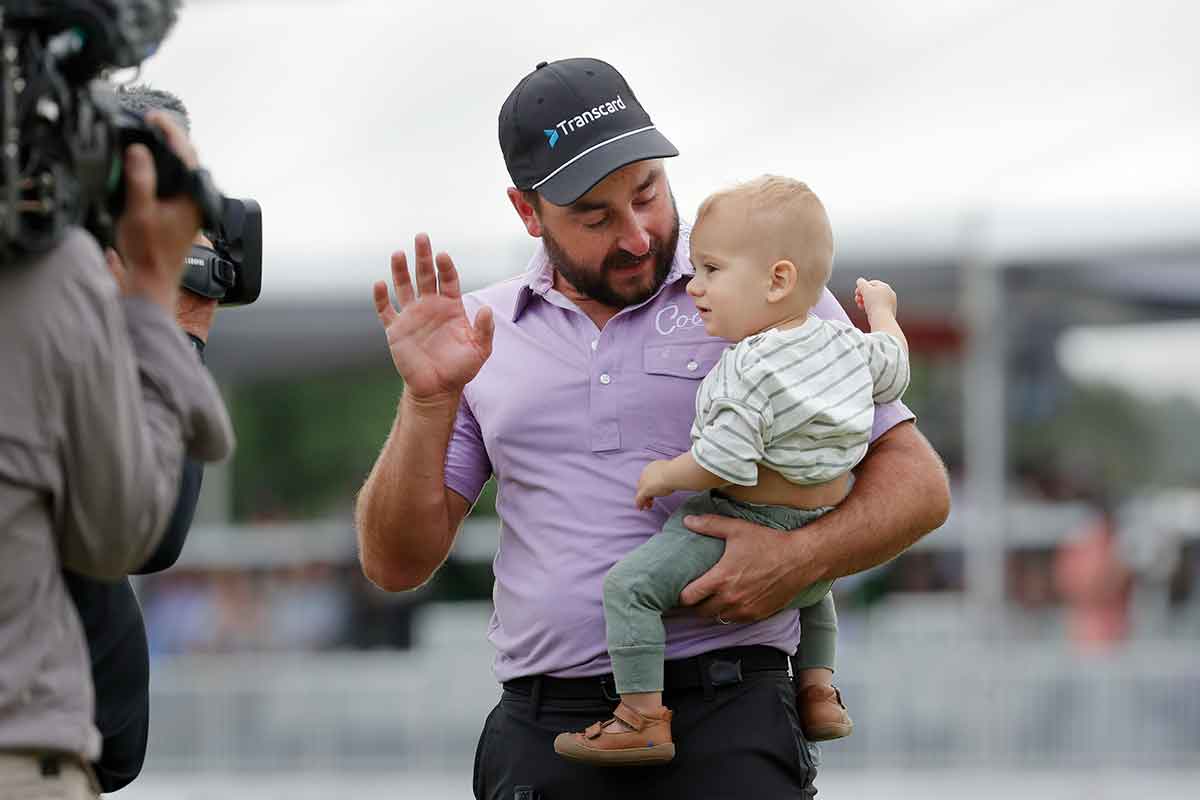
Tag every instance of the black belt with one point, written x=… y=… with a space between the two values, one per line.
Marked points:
x=707 y=671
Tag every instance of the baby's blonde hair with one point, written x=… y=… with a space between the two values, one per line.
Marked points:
x=790 y=224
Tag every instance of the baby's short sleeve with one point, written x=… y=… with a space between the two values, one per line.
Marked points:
x=888 y=363
x=733 y=420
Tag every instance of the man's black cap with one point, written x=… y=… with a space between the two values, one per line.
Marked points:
x=570 y=123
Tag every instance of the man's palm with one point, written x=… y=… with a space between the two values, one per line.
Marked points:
x=435 y=348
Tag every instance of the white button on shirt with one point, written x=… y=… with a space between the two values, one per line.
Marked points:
x=606 y=379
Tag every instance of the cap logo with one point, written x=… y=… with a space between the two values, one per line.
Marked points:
x=570 y=124
x=552 y=135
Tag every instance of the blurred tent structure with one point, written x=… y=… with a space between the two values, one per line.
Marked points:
x=1144 y=259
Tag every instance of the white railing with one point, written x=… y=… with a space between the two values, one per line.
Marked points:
x=937 y=701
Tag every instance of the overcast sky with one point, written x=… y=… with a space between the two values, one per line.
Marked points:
x=357 y=124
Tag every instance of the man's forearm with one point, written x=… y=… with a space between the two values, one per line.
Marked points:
x=403 y=523
x=901 y=493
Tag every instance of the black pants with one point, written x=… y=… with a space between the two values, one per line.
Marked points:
x=735 y=741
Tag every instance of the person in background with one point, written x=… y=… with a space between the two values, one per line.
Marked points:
x=102 y=400
x=109 y=611
x=1096 y=586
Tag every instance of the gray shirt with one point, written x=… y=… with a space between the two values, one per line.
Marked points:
x=100 y=397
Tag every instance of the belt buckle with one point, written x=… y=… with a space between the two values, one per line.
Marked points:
x=725 y=673
x=608 y=687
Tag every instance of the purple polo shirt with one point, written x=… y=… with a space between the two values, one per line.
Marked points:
x=566 y=416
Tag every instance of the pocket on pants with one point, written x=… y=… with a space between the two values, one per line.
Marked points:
x=807 y=754
x=479 y=783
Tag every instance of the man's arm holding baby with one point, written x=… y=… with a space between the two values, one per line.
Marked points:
x=900 y=494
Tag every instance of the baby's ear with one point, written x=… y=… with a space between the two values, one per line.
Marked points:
x=783 y=279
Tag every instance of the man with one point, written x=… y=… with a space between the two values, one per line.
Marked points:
x=564 y=384
x=110 y=614
x=102 y=399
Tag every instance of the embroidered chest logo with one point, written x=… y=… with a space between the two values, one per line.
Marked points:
x=670 y=319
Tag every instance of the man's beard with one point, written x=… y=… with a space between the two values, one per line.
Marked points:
x=596 y=283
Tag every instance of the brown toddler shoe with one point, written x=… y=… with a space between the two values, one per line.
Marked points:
x=648 y=741
x=823 y=716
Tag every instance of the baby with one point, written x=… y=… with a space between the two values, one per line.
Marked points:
x=780 y=421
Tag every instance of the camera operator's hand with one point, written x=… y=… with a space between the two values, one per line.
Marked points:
x=117 y=267
x=154 y=234
x=194 y=312
x=435 y=348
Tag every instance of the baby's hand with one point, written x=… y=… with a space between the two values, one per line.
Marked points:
x=874 y=296
x=652 y=484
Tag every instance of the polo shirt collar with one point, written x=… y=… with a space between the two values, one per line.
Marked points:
x=539 y=274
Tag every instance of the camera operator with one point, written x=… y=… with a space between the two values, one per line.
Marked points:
x=101 y=400
x=111 y=617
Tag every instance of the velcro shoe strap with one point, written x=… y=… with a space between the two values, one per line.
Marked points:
x=630 y=717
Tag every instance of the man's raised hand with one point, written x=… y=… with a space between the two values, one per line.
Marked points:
x=435 y=348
